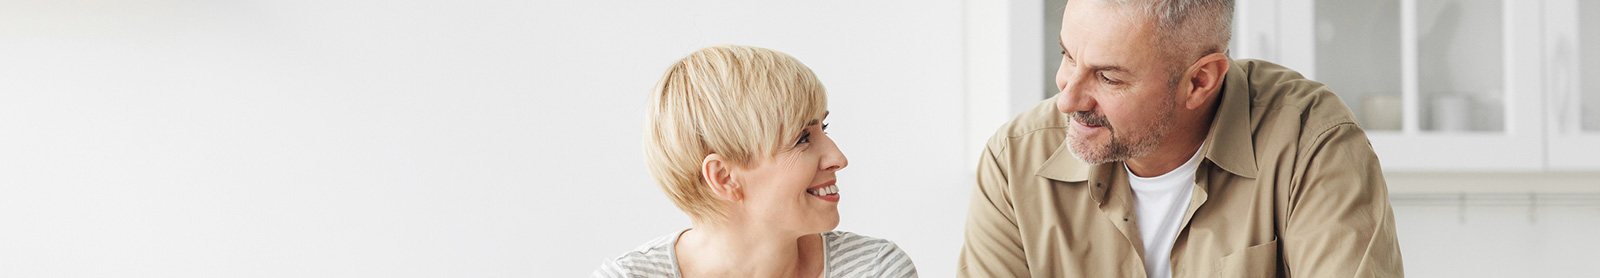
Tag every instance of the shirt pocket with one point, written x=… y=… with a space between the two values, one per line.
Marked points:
x=1260 y=260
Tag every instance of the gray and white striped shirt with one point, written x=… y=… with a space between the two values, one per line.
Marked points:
x=845 y=255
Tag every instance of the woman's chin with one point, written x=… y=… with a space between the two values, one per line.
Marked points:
x=830 y=223
x=821 y=224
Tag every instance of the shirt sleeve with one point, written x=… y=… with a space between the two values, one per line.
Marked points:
x=1339 y=222
x=992 y=246
x=894 y=263
x=610 y=269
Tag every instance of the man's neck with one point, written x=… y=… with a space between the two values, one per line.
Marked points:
x=1183 y=142
x=1164 y=160
x=739 y=252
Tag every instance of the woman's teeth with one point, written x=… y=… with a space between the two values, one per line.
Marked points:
x=825 y=191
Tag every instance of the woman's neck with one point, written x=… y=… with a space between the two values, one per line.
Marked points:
x=722 y=251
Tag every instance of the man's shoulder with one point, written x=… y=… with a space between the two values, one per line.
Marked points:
x=1277 y=91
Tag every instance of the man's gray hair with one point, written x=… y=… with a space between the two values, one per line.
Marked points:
x=1198 y=27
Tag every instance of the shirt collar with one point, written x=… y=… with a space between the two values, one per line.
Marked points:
x=1229 y=144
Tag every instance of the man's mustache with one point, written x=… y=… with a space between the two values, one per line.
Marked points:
x=1090 y=118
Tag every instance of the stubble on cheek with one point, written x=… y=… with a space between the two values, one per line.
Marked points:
x=1081 y=146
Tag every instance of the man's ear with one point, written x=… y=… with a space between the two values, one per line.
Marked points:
x=718 y=174
x=1204 y=80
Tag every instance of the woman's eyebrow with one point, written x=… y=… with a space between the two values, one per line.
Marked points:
x=824 y=116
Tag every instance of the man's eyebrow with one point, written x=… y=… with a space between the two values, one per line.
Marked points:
x=1102 y=68
x=1063 y=44
x=1094 y=68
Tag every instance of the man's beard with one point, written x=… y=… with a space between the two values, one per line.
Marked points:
x=1137 y=143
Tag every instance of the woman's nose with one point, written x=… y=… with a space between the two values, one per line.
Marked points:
x=834 y=160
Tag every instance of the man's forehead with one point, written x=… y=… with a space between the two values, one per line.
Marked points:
x=1104 y=30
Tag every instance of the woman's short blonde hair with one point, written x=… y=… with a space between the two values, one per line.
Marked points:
x=740 y=102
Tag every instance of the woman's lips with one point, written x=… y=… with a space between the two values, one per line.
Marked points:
x=830 y=197
x=827 y=191
x=820 y=186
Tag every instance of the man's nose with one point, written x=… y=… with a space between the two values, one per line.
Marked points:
x=1072 y=98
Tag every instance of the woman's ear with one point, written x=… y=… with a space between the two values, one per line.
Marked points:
x=718 y=174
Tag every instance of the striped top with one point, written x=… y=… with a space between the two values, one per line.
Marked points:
x=845 y=255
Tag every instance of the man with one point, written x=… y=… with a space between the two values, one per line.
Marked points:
x=1162 y=158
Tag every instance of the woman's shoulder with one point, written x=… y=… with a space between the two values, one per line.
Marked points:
x=839 y=240
x=654 y=258
x=855 y=255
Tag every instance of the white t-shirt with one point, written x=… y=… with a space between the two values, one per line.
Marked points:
x=1161 y=202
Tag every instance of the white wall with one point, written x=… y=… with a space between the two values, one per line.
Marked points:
x=426 y=138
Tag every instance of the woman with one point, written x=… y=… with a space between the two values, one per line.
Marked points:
x=734 y=136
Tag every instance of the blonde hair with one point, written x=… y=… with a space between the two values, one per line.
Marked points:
x=740 y=102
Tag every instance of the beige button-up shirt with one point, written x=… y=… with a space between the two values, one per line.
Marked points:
x=1289 y=187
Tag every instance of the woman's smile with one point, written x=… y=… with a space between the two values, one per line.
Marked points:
x=827 y=191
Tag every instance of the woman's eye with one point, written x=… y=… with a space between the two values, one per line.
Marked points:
x=804 y=138
x=824 y=128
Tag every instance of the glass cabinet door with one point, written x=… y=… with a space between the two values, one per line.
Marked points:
x=1572 y=83
x=1589 y=42
x=1358 y=57
x=1444 y=59
x=1460 y=69
x=1439 y=85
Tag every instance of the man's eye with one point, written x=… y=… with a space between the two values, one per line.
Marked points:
x=1107 y=80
